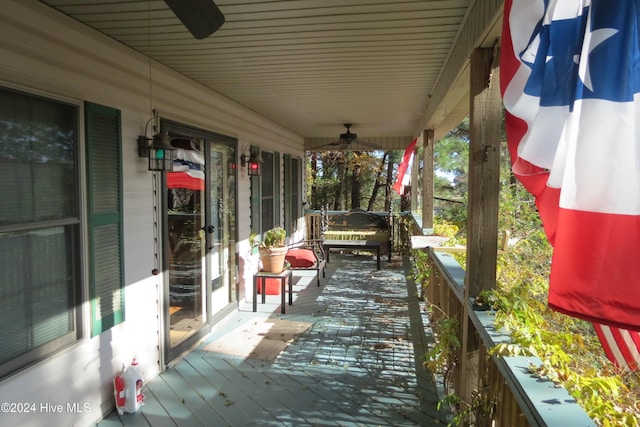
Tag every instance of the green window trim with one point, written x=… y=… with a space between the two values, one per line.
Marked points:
x=292 y=191
x=288 y=220
x=277 y=220
x=104 y=192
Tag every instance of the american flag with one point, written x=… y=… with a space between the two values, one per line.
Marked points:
x=404 y=169
x=570 y=80
x=188 y=171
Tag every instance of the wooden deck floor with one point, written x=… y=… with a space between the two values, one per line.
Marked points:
x=359 y=364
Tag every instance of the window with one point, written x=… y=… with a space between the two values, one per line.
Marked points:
x=268 y=191
x=292 y=190
x=39 y=227
x=265 y=194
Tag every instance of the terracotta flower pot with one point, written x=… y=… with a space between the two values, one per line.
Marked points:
x=273 y=259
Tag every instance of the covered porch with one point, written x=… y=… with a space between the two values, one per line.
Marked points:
x=360 y=360
x=346 y=353
x=351 y=352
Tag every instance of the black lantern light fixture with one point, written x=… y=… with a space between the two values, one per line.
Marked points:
x=161 y=153
x=158 y=149
x=253 y=162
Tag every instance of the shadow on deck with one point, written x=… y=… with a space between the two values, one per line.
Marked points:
x=358 y=364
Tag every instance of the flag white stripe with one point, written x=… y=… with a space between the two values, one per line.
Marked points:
x=631 y=345
x=613 y=345
x=406 y=179
x=600 y=173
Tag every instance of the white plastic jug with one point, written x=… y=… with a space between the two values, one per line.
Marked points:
x=134 y=398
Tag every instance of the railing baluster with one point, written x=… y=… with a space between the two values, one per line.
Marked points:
x=514 y=397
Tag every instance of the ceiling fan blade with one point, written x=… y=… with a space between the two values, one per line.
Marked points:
x=201 y=17
x=344 y=145
x=367 y=144
x=329 y=146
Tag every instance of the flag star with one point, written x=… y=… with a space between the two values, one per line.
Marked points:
x=592 y=40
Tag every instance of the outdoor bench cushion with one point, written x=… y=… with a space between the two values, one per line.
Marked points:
x=301 y=258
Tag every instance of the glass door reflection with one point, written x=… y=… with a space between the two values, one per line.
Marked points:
x=186 y=237
x=221 y=210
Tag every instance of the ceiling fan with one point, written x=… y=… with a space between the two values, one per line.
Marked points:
x=201 y=17
x=347 y=138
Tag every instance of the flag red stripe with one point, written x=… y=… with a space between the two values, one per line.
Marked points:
x=184 y=180
x=404 y=165
x=595 y=258
x=609 y=345
x=621 y=346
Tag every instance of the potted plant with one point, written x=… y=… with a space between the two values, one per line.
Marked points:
x=273 y=250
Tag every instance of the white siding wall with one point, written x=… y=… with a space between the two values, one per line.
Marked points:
x=44 y=52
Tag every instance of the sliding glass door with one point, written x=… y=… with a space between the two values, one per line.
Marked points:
x=200 y=212
x=186 y=232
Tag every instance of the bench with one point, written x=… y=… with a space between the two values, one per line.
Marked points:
x=359 y=225
x=353 y=245
x=307 y=255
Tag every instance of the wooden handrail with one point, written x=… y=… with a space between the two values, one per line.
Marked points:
x=514 y=396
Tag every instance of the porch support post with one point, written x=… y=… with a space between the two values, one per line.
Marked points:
x=415 y=168
x=482 y=217
x=485 y=131
x=427 y=178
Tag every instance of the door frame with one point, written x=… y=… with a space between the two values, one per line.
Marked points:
x=171 y=355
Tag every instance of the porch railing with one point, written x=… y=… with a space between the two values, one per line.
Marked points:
x=500 y=389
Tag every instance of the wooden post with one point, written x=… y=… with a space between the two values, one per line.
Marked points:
x=415 y=168
x=484 y=172
x=482 y=216
x=427 y=178
x=405 y=199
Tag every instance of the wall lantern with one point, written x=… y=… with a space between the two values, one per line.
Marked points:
x=158 y=150
x=253 y=162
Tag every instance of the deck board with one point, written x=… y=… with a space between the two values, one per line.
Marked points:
x=193 y=400
x=153 y=411
x=280 y=395
x=172 y=403
x=359 y=364
x=202 y=395
x=234 y=404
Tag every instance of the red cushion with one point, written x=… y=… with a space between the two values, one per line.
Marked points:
x=301 y=258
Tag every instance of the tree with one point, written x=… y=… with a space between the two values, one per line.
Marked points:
x=356 y=169
x=451 y=158
x=393 y=158
x=380 y=181
x=345 y=179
